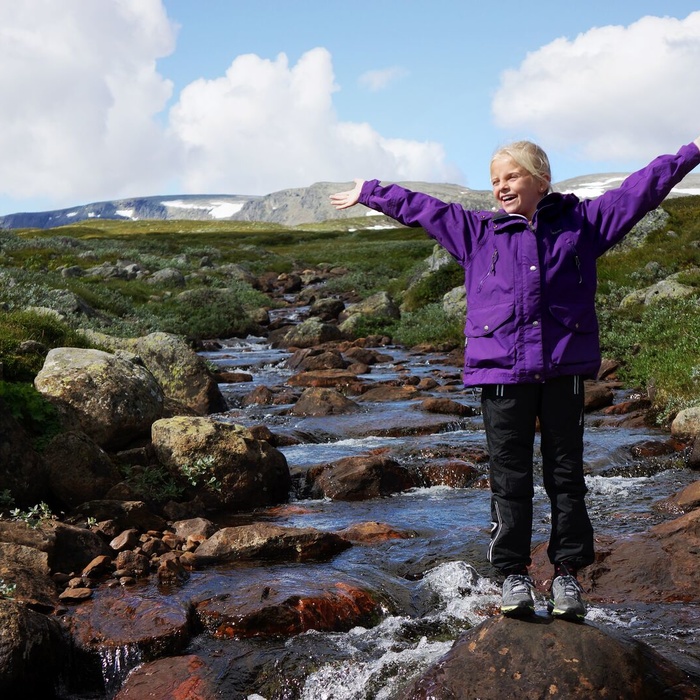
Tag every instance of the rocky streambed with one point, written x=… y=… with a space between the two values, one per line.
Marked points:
x=369 y=579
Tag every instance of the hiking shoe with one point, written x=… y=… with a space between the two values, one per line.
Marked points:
x=517 y=596
x=566 y=599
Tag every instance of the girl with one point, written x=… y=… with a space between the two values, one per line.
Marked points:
x=532 y=338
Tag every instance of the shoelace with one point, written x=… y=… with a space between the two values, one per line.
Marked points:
x=521 y=584
x=571 y=586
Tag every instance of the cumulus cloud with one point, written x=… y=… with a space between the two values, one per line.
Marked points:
x=80 y=97
x=376 y=80
x=611 y=93
x=267 y=125
x=85 y=113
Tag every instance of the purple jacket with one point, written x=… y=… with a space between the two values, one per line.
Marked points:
x=531 y=287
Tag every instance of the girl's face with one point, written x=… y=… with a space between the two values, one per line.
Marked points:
x=514 y=188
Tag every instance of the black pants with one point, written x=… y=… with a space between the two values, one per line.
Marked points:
x=510 y=413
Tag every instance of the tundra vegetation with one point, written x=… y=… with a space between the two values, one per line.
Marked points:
x=658 y=344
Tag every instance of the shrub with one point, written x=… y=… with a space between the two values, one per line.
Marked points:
x=433 y=286
x=429 y=324
x=37 y=415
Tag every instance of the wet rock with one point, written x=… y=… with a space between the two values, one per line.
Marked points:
x=372 y=532
x=188 y=676
x=130 y=563
x=445 y=406
x=360 y=478
x=657 y=565
x=23 y=471
x=316 y=401
x=597 y=395
x=98 y=567
x=31 y=652
x=260 y=396
x=79 y=469
x=194 y=528
x=127 y=539
x=115 y=400
x=626 y=407
x=269 y=542
x=389 y=392
x=119 y=618
x=542 y=657
x=683 y=502
x=694 y=456
x=246 y=472
x=454 y=473
x=324 y=378
x=267 y=612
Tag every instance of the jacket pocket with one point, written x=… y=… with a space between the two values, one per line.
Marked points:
x=575 y=337
x=490 y=336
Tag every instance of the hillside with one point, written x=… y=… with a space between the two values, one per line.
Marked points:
x=289 y=207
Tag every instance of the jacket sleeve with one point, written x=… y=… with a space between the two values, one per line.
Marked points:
x=448 y=223
x=615 y=212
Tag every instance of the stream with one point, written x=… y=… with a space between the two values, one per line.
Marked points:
x=436 y=584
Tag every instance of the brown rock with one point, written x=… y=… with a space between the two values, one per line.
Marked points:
x=127 y=539
x=183 y=677
x=262 y=541
x=268 y=612
x=317 y=401
x=597 y=395
x=324 y=378
x=445 y=406
x=388 y=392
x=371 y=532
x=360 y=478
x=543 y=658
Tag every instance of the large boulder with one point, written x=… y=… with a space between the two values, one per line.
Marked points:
x=542 y=658
x=313 y=331
x=182 y=374
x=114 y=399
x=31 y=652
x=377 y=306
x=23 y=471
x=687 y=423
x=224 y=462
x=79 y=469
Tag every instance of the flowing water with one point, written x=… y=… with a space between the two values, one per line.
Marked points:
x=435 y=584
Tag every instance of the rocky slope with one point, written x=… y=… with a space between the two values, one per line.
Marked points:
x=290 y=207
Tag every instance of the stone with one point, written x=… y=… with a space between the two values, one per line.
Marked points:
x=541 y=658
x=686 y=423
x=115 y=400
x=317 y=401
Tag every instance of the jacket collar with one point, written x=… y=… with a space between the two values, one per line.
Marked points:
x=549 y=207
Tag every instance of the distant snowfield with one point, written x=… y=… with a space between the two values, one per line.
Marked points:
x=217 y=210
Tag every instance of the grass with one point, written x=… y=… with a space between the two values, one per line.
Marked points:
x=656 y=344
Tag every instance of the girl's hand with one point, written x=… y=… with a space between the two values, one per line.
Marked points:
x=349 y=198
x=697 y=142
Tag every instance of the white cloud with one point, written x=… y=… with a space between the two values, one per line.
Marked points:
x=611 y=93
x=267 y=125
x=84 y=117
x=376 y=80
x=80 y=96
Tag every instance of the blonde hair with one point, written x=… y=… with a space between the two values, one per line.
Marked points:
x=529 y=156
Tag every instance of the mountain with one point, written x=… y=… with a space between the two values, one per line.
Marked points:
x=292 y=207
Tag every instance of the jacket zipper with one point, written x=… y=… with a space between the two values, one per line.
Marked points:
x=577 y=260
x=491 y=271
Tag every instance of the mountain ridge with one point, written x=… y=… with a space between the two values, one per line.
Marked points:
x=289 y=207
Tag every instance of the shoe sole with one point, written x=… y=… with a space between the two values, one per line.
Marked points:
x=518 y=611
x=566 y=614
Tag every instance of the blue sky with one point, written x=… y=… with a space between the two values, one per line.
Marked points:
x=104 y=99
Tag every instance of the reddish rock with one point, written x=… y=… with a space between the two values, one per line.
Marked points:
x=389 y=392
x=360 y=478
x=683 y=502
x=631 y=406
x=652 y=448
x=269 y=542
x=175 y=678
x=317 y=401
x=99 y=566
x=694 y=457
x=233 y=377
x=371 y=532
x=310 y=359
x=446 y=406
x=324 y=378
x=260 y=396
x=660 y=564
x=545 y=658
x=597 y=395
x=116 y=618
x=453 y=473
x=268 y=612
x=127 y=539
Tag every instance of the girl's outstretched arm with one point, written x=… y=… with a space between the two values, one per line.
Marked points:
x=347 y=199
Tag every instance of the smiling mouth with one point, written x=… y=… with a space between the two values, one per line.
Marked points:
x=508 y=198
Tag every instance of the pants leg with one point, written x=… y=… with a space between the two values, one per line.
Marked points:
x=510 y=413
x=561 y=426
